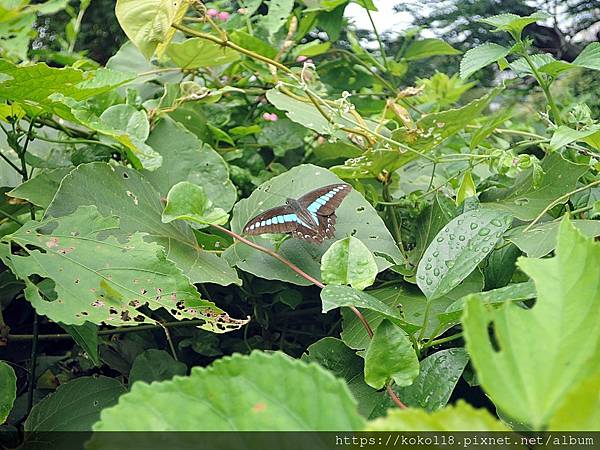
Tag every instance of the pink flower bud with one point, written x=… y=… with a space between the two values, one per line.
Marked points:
x=266 y=116
x=212 y=12
x=223 y=16
x=274 y=117
x=301 y=58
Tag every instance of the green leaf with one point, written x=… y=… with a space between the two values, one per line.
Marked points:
x=349 y=261
x=104 y=280
x=580 y=408
x=125 y=193
x=186 y=158
x=432 y=388
x=242 y=393
x=390 y=355
x=35 y=83
x=541 y=239
x=459 y=417
x=148 y=24
x=250 y=42
x=40 y=189
x=541 y=347
x=187 y=201
x=488 y=128
x=312 y=48
x=458 y=249
x=282 y=135
x=526 y=198
x=565 y=135
x=481 y=56
x=126 y=118
x=467 y=188
x=333 y=355
x=155 y=365
x=511 y=293
x=277 y=15
x=514 y=23
x=196 y=52
x=86 y=336
x=426 y=48
x=338 y=296
x=589 y=57
x=75 y=406
x=355 y=217
x=8 y=390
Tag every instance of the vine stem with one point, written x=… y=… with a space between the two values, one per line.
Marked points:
x=559 y=200
x=313 y=280
x=442 y=340
x=545 y=88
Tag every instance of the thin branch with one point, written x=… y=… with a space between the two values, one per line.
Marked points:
x=394 y=397
x=442 y=340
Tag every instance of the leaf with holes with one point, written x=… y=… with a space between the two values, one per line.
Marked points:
x=542 y=346
x=355 y=217
x=237 y=393
x=458 y=248
x=349 y=261
x=102 y=280
x=125 y=193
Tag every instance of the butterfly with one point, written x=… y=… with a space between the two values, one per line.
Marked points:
x=311 y=217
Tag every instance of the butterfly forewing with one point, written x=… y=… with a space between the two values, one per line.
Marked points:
x=324 y=201
x=275 y=220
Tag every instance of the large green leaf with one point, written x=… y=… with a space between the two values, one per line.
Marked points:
x=390 y=355
x=333 y=355
x=426 y=48
x=187 y=201
x=355 y=217
x=565 y=135
x=186 y=158
x=580 y=408
x=525 y=199
x=196 y=52
x=34 y=84
x=155 y=365
x=40 y=189
x=458 y=248
x=148 y=24
x=589 y=57
x=513 y=23
x=541 y=239
x=243 y=393
x=349 y=261
x=278 y=13
x=75 y=406
x=104 y=280
x=8 y=390
x=125 y=193
x=431 y=389
x=459 y=417
x=480 y=57
x=535 y=356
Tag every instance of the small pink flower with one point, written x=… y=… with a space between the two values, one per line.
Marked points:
x=274 y=117
x=270 y=117
x=212 y=12
x=223 y=16
x=301 y=58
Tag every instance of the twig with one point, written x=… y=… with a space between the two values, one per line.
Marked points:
x=559 y=200
x=169 y=340
x=394 y=397
x=442 y=340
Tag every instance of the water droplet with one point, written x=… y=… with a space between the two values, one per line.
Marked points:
x=440 y=239
x=449 y=264
x=428 y=267
x=484 y=232
x=436 y=254
x=452 y=237
x=496 y=222
x=460 y=221
x=485 y=249
x=461 y=238
x=428 y=281
x=436 y=272
x=521 y=201
x=474 y=226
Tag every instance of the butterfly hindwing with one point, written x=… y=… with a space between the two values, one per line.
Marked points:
x=325 y=200
x=275 y=220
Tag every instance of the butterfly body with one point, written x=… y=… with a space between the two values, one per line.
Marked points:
x=311 y=217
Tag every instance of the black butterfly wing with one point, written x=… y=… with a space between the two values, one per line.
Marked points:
x=326 y=230
x=280 y=219
x=325 y=200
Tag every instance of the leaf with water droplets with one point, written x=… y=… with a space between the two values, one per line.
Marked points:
x=458 y=249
